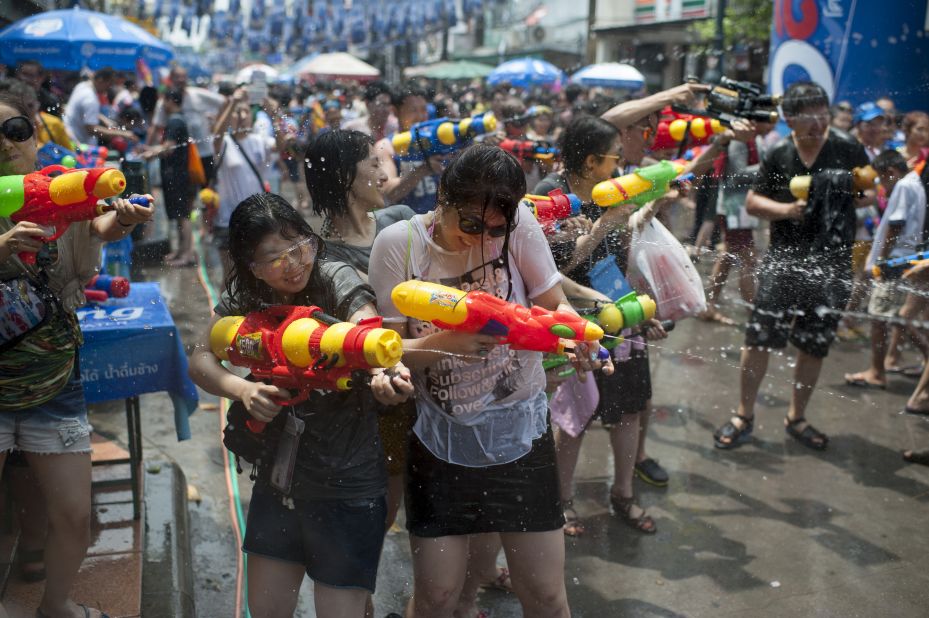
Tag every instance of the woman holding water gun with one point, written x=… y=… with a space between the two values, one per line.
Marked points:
x=481 y=437
x=591 y=150
x=42 y=409
x=346 y=182
x=330 y=522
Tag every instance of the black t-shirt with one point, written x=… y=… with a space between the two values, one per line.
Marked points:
x=781 y=163
x=616 y=242
x=360 y=256
x=174 y=164
x=340 y=456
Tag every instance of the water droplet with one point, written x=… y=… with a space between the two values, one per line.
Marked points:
x=775 y=584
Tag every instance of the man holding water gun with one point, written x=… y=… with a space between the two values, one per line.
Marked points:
x=899 y=234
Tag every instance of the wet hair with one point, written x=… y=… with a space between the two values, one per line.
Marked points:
x=331 y=162
x=912 y=119
x=175 y=95
x=405 y=93
x=20 y=96
x=585 y=136
x=889 y=160
x=488 y=177
x=252 y=220
x=375 y=89
x=572 y=93
x=802 y=96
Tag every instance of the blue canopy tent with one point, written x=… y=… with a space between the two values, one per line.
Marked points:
x=525 y=73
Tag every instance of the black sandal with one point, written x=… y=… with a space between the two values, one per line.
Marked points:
x=737 y=436
x=809 y=436
x=623 y=507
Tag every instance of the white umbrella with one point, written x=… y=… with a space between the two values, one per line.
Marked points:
x=610 y=75
x=244 y=76
x=339 y=64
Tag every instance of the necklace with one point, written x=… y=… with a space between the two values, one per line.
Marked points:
x=329 y=229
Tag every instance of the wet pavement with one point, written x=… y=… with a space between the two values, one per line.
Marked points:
x=770 y=529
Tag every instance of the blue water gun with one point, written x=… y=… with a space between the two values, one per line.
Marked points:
x=441 y=136
x=895 y=268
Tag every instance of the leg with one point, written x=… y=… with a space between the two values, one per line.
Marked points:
x=65 y=482
x=482 y=569
x=273 y=586
x=439 y=566
x=754 y=366
x=875 y=374
x=567 y=450
x=395 y=483
x=338 y=602
x=625 y=440
x=718 y=278
x=919 y=400
x=536 y=562
x=33 y=521
x=805 y=377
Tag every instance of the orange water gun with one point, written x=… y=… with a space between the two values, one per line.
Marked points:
x=478 y=312
x=863 y=178
x=58 y=201
x=303 y=349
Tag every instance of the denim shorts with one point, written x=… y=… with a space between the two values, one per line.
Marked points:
x=54 y=427
x=338 y=542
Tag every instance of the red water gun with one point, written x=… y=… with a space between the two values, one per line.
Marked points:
x=527 y=149
x=548 y=209
x=103 y=287
x=478 y=312
x=302 y=349
x=58 y=201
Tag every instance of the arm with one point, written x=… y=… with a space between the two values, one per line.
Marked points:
x=763 y=207
x=893 y=235
x=225 y=118
x=207 y=372
x=398 y=187
x=118 y=223
x=628 y=113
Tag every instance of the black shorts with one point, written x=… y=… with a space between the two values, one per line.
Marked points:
x=337 y=541
x=444 y=499
x=797 y=305
x=178 y=202
x=627 y=391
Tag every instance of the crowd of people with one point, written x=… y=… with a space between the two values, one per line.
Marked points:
x=468 y=434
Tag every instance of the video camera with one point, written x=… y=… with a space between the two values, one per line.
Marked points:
x=731 y=100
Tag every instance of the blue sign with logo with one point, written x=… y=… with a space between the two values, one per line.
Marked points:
x=858 y=51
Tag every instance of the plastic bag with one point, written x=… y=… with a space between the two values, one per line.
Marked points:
x=663 y=263
x=573 y=404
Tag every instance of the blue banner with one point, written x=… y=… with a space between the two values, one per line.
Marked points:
x=858 y=51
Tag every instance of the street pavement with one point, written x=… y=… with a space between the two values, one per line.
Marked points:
x=771 y=529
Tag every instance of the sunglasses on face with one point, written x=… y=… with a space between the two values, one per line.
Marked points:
x=473 y=224
x=17 y=129
x=299 y=254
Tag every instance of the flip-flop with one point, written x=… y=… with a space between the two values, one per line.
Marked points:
x=902 y=369
x=914 y=411
x=862 y=383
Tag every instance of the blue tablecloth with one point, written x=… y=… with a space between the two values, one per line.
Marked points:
x=131 y=346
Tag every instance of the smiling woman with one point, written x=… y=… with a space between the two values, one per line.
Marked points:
x=42 y=410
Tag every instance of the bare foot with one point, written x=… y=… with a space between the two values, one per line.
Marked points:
x=713 y=315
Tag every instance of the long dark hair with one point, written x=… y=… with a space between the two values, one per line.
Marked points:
x=584 y=136
x=331 y=162
x=253 y=219
x=490 y=177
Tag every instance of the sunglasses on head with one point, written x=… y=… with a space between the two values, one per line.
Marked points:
x=17 y=129
x=474 y=224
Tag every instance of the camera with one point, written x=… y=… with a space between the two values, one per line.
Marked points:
x=742 y=100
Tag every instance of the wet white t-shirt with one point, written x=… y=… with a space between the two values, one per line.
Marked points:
x=471 y=412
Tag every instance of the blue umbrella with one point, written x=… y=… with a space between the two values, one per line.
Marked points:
x=74 y=39
x=610 y=75
x=526 y=72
